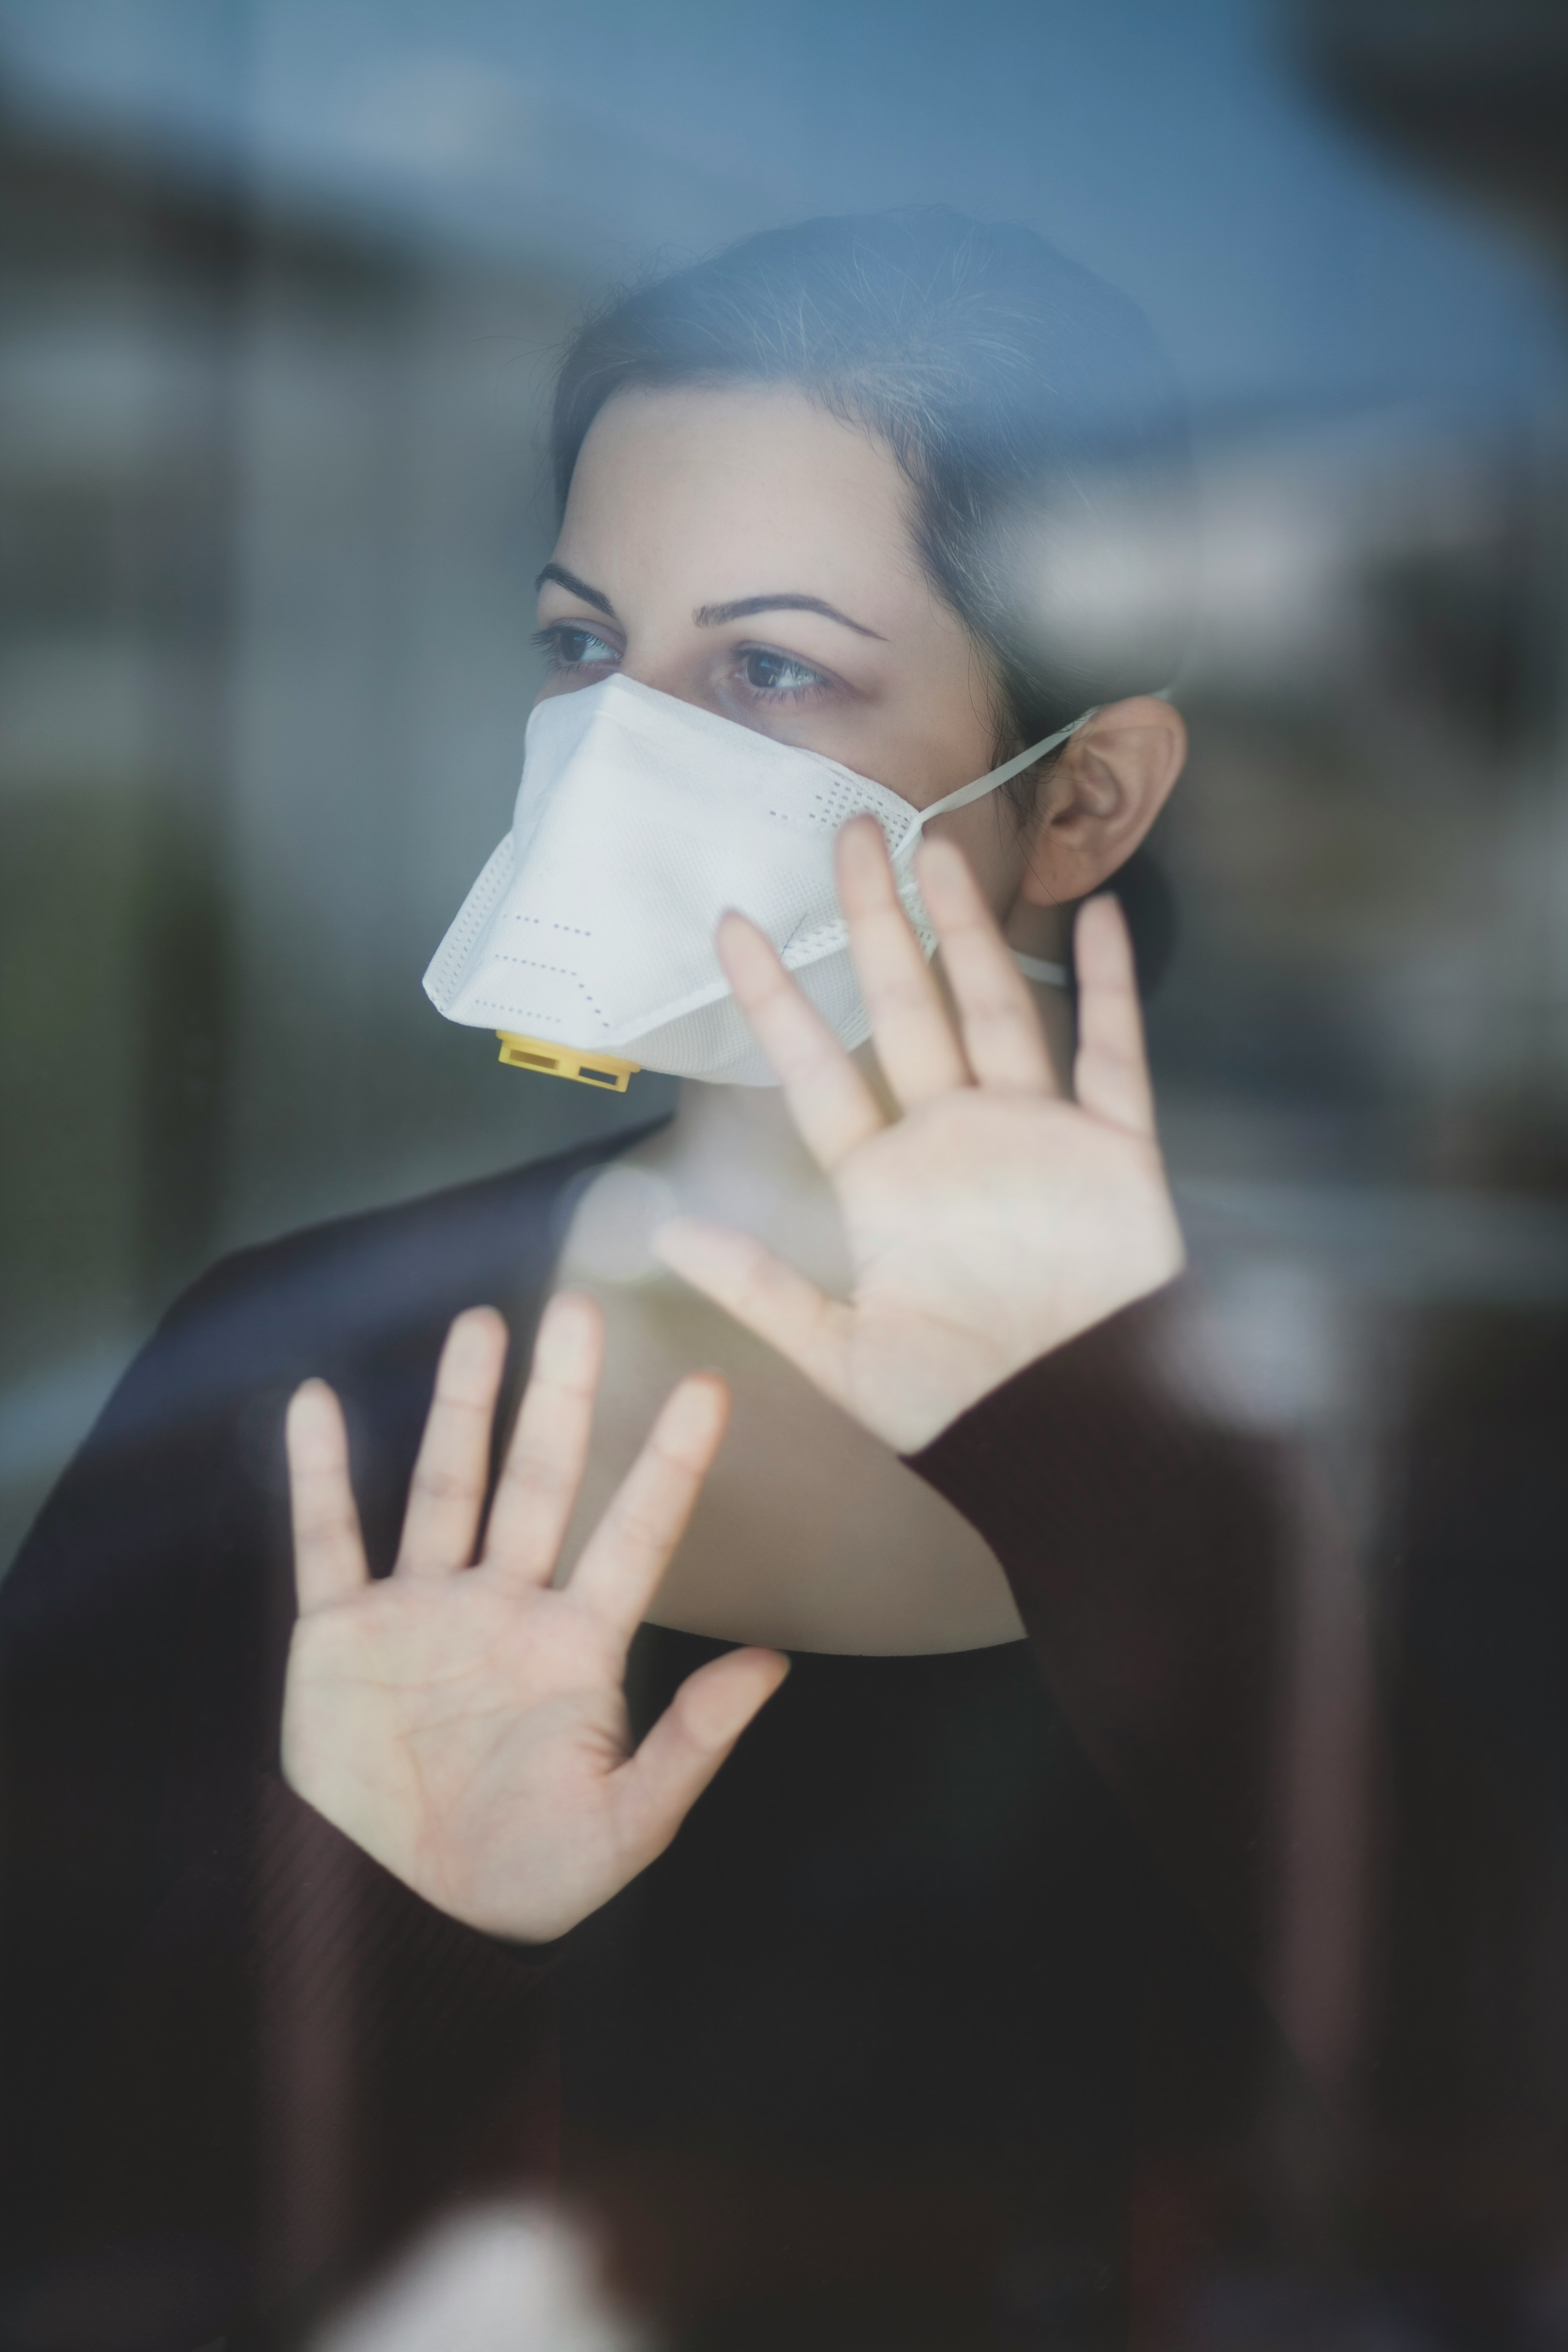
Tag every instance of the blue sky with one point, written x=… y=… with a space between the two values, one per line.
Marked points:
x=1166 y=142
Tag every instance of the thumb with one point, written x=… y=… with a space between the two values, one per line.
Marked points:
x=766 y=1293
x=657 y=1788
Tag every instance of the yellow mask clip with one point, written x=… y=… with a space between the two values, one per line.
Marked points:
x=565 y=1061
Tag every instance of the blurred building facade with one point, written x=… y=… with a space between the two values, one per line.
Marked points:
x=272 y=521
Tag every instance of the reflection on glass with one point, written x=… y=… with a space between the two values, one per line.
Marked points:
x=1205 y=1990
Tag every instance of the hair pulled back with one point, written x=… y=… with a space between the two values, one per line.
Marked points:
x=1020 y=394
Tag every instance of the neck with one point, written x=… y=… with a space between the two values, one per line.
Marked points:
x=1045 y=932
x=726 y=1140
x=733 y=1153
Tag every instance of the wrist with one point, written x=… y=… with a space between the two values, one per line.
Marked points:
x=1069 y=1316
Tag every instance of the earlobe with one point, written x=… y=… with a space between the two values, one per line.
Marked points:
x=1109 y=787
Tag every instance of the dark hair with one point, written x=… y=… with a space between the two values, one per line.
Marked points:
x=1017 y=392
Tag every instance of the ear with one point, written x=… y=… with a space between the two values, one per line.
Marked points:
x=1105 y=792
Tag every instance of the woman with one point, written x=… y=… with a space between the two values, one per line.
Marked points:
x=877 y=2031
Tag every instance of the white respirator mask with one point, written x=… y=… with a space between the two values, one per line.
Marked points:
x=587 y=941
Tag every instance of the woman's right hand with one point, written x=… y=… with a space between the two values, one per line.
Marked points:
x=465 y=1723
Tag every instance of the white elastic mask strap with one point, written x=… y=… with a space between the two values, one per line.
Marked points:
x=1051 y=975
x=1010 y=768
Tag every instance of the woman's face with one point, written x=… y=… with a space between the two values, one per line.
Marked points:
x=744 y=550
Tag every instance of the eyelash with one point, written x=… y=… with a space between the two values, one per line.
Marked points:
x=551 y=643
x=816 y=682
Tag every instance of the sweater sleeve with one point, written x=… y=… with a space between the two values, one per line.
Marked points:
x=240 y=2060
x=1146 y=1548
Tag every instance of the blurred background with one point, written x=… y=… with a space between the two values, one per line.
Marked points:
x=282 y=284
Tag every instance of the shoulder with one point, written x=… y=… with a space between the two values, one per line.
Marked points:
x=326 y=1296
x=194 y=1425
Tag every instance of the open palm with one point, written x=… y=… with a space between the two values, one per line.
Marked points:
x=994 y=1219
x=465 y=1723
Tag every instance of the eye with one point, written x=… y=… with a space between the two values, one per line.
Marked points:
x=769 y=673
x=567 y=645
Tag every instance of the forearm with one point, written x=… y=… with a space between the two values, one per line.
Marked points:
x=1146 y=1551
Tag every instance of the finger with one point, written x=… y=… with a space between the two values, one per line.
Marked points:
x=545 y=1460
x=452 y=1471
x=830 y=1101
x=655 y=1789
x=1110 y=1075
x=1002 y=1035
x=766 y=1293
x=329 y=1551
x=627 y=1552
x=914 y=1037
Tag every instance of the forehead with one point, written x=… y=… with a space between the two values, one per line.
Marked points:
x=715 y=488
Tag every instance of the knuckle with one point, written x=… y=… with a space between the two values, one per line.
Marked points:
x=455 y=1399
x=638 y=1530
x=536 y=1485
x=989 y=1008
x=320 y=1529
x=904 y=991
x=433 y=1485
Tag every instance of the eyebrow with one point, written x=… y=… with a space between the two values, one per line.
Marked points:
x=713 y=616
x=575 y=587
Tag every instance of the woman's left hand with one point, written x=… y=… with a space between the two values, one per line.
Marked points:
x=994 y=1219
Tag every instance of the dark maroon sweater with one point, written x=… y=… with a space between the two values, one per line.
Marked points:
x=241 y=2062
